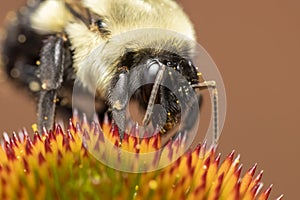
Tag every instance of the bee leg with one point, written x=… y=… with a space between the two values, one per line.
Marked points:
x=119 y=101
x=51 y=77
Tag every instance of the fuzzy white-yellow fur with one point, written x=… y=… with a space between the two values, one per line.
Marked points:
x=94 y=55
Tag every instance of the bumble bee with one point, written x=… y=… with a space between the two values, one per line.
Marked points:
x=51 y=43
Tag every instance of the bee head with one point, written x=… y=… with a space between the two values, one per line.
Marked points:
x=158 y=82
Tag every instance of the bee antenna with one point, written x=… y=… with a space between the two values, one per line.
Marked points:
x=158 y=80
x=215 y=110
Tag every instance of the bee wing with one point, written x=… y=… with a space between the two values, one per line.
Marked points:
x=20 y=54
x=20 y=49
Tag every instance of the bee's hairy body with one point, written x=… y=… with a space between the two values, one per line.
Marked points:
x=85 y=29
x=120 y=16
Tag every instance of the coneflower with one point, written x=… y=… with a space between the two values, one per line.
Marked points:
x=62 y=164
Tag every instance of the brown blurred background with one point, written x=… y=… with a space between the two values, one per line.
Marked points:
x=256 y=46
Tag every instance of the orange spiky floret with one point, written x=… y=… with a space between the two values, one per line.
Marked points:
x=61 y=165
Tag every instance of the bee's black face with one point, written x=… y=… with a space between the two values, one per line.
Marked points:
x=166 y=96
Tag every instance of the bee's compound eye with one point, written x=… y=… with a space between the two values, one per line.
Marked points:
x=151 y=72
x=100 y=24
